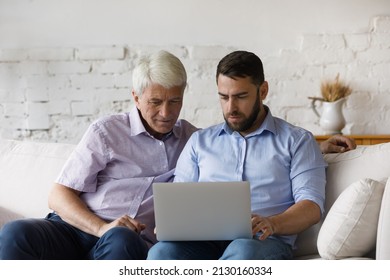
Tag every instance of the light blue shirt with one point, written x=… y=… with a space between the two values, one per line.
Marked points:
x=282 y=162
x=116 y=162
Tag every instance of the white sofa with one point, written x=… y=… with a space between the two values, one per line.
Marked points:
x=359 y=227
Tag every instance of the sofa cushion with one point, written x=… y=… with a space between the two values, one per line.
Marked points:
x=350 y=227
x=345 y=168
x=7 y=216
x=28 y=170
x=383 y=242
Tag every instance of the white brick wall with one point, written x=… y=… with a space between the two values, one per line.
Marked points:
x=53 y=94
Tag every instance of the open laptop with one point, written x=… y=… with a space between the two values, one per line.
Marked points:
x=202 y=211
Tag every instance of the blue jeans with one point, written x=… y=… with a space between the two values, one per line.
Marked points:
x=239 y=249
x=54 y=239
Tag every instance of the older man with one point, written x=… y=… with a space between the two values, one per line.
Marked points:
x=102 y=200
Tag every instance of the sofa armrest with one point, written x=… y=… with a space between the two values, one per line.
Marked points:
x=383 y=235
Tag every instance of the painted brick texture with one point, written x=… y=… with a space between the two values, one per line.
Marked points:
x=53 y=94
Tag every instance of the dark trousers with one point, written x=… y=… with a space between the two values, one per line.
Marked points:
x=54 y=239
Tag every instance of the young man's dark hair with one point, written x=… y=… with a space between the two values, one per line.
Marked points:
x=242 y=64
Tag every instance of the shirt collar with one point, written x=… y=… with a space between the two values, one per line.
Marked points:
x=267 y=125
x=137 y=127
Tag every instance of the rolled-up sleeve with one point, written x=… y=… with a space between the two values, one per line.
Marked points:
x=308 y=176
x=87 y=160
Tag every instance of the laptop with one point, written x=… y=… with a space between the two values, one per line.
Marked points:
x=202 y=211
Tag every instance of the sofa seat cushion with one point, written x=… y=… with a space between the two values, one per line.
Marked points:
x=350 y=227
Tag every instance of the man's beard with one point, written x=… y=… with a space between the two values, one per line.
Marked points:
x=247 y=123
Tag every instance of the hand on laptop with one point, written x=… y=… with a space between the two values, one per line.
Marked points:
x=263 y=225
x=124 y=221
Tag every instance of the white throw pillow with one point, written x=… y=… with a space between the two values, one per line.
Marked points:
x=7 y=216
x=350 y=227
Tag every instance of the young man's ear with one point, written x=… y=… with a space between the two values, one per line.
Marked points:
x=263 y=90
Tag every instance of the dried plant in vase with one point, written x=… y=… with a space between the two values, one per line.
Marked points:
x=333 y=96
x=332 y=91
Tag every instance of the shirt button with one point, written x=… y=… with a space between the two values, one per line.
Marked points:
x=161 y=143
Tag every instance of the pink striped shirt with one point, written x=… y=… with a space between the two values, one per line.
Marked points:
x=116 y=162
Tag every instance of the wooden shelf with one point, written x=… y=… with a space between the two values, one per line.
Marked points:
x=360 y=139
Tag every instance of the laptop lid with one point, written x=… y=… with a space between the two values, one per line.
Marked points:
x=202 y=211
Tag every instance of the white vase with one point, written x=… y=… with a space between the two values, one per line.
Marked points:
x=331 y=119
